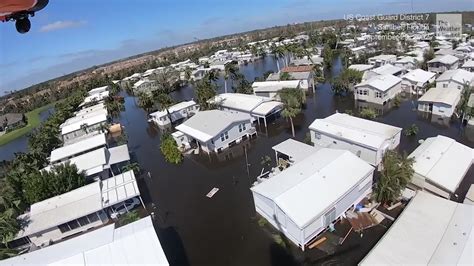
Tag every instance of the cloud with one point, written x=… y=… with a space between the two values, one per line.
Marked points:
x=62 y=24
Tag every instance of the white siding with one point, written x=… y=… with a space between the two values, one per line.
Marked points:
x=233 y=134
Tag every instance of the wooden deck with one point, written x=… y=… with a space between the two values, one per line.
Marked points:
x=361 y=220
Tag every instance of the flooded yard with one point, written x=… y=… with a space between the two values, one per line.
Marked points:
x=223 y=230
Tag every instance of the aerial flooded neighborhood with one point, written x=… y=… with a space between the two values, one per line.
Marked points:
x=213 y=133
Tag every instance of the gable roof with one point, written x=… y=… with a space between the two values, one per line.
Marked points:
x=459 y=75
x=246 y=102
x=318 y=179
x=444 y=59
x=206 y=125
x=362 y=131
x=387 y=69
x=435 y=158
x=381 y=82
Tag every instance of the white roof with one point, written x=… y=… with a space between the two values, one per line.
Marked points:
x=205 y=125
x=140 y=82
x=118 y=154
x=361 y=67
x=459 y=75
x=406 y=59
x=91 y=109
x=318 y=179
x=384 y=57
x=81 y=116
x=419 y=76
x=95 y=97
x=430 y=231
x=441 y=95
x=175 y=108
x=247 y=103
x=87 y=121
x=469 y=64
x=98 y=90
x=78 y=147
x=132 y=244
x=444 y=59
x=387 y=69
x=357 y=130
x=381 y=82
x=297 y=151
x=92 y=162
x=443 y=161
x=274 y=86
x=79 y=202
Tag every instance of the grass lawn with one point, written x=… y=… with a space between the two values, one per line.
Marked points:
x=33 y=118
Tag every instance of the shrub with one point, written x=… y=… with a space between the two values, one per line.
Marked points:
x=368 y=113
x=412 y=130
x=170 y=150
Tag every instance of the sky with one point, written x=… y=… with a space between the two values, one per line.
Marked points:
x=69 y=35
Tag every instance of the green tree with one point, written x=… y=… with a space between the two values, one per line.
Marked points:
x=412 y=130
x=129 y=217
x=145 y=101
x=368 y=113
x=278 y=52
x=396 y=174
x=62 y=178
x=165 y=102
x=170 y=150
x=292 y=100
x=328 y=55
x=135 y=167
x=285 y=76
x=243 y=85
x=230 y=71
x=205 y=90
x=427 y=56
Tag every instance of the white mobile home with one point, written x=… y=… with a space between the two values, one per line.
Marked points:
x=406 y=62
x=257 y=108
x=387 y=69
x=176 y=112
x=214 y=130
x=443 y=63
x=133 y=244
x=320 y=180
x=379 y=89
x=455 y=79
x=83 y=146
x=76 y=211
x=430 y=231
x=361 y=67
x=145 y=86
x=367 y=139
x=440 y=165
x=415 y=81
x=440 y=101
x=83 y=127
x=270 y=89
x=382 y=59
x=468 y=66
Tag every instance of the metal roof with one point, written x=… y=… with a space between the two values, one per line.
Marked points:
x=459 y=75
x=80 y=202
x=430 y=231
x=78 y=147
x=247 y=103
x=133 y=244
x=309 y=187
x=92 y=120
x=297 y=151
x=274 y=86
x=354 y=129
x=443 y=161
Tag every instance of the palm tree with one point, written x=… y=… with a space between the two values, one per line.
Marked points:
x=230 y=71
x=205 y=90
x=145 y=101
x=292 y=101
x=279 y=53
x=165 y=101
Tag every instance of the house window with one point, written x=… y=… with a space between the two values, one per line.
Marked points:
x=366 y=92
x=93 y=217
x=445 y=85
x=240 y=128
x=378 y=94
x=64 y=228
x=459 y=87
x=334 y=142
x=317 y=135
x=226 y=135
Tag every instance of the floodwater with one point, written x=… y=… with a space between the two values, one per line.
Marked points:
x=223 y=230
x=7 y=151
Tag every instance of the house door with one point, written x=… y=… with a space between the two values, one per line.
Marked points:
x=329 y=217
x=430 y=107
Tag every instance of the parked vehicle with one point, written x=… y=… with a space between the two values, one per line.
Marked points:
x=124 y=207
